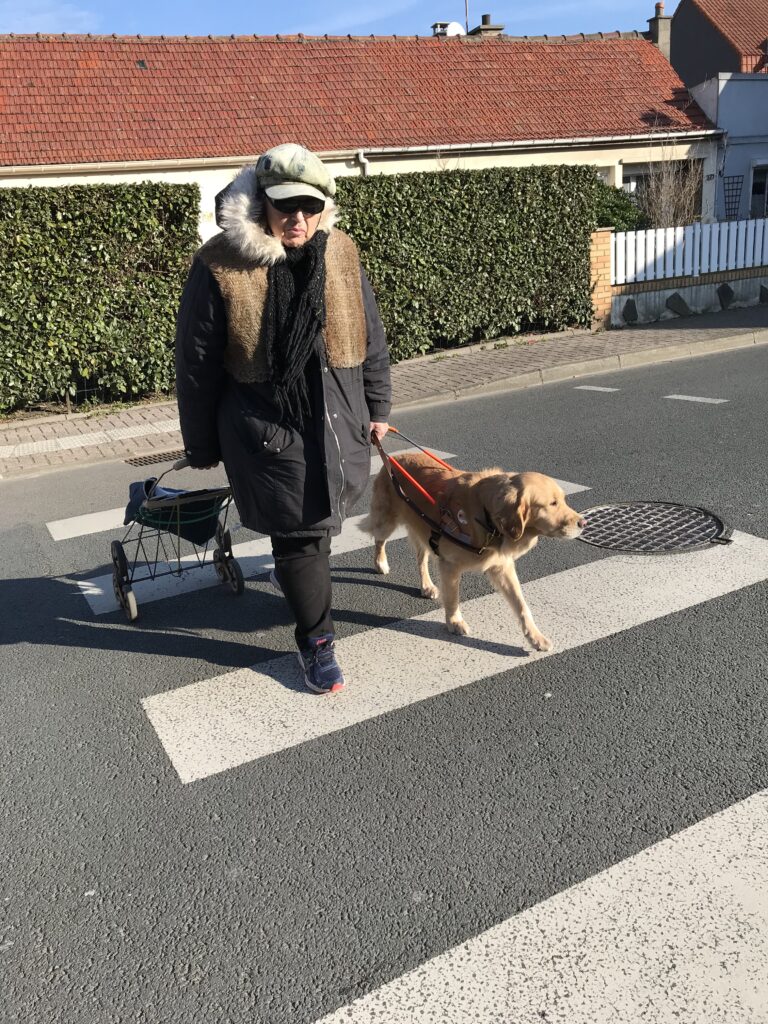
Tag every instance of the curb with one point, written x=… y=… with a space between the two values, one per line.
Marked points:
x=590 y=367
x=514 y=382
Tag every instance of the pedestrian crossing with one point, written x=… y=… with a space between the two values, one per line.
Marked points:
x=677 y=932
x=595 y=953
x=217 y=724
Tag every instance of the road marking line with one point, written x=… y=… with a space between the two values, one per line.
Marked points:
x=694 y=398
x=591 y=387
x=92 y=522
x=229 y=720
x=112 y=519
x=678 y=931
x=254 y=557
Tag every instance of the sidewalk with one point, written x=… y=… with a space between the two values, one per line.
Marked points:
x=61 y=442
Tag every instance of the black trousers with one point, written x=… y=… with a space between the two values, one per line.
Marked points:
x=304 y=573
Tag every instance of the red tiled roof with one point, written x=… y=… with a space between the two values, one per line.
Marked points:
x=81 y=99
x=744 y=23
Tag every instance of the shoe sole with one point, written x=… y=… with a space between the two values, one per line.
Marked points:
x=336 y=688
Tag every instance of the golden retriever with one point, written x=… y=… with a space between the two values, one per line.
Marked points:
x=503 y=514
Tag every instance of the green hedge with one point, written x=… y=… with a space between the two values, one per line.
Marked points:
x=616 y=209
x=90 y=287
x=460 y=256
x=93 y=273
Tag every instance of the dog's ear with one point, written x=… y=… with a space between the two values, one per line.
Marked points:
x=517 y=511
x=522 y=511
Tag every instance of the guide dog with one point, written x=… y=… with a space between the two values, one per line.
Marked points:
x=496 y=517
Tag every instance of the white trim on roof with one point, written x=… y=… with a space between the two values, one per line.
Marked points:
x=20 y=170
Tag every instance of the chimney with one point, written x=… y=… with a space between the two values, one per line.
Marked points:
x=660 y=30
x=486 y=28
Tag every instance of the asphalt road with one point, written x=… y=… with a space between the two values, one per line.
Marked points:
x=289 y=885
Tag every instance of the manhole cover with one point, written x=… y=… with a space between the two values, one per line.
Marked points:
x=652 y=527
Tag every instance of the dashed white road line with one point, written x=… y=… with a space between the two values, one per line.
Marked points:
x=219 y=723
x=676 y=932
x=695 y=398
x=592 y=387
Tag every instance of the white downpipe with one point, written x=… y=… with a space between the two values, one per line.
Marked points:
x=364 y=162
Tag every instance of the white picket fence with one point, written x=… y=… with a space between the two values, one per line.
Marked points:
x=688 y=251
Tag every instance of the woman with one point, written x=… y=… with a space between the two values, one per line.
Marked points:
x=282 y=371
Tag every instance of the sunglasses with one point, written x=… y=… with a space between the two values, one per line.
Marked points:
x=309 y=205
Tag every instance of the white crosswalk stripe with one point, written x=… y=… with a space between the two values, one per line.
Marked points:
x=112 y=519
x=220 y=723
x=254 y=558
x=677 y=932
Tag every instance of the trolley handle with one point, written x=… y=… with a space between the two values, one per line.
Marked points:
x=178 y=464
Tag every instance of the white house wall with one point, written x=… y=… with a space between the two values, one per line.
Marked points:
x=738 y=104
x=609 y=161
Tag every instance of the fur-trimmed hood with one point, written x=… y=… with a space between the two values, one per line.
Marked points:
x=240 y=215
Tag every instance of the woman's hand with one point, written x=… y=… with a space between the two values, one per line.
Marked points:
x=379 y=431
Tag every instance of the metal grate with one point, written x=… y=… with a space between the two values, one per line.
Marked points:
x=652 y=527
x=154 y=457
x=732 y=186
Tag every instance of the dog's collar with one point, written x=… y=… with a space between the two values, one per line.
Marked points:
x=492 y=531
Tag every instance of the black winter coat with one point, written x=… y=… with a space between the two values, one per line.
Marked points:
x=285 y=482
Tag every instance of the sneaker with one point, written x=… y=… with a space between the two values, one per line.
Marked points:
x=318 y=663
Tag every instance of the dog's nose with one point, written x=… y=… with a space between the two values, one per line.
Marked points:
x=581 y=523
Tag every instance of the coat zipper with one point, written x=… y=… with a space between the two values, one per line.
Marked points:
x=338 y=448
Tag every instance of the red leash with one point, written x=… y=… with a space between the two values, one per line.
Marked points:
x=401 y=469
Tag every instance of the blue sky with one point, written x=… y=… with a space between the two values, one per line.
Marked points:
x=335 y=17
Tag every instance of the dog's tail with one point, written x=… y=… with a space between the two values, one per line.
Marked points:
x=366 y=525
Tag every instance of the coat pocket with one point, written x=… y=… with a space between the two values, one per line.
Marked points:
x=260 y=437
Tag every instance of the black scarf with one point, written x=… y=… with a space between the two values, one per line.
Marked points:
x=293 y=318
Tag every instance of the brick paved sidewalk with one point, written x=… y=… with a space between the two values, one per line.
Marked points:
x=39 y=445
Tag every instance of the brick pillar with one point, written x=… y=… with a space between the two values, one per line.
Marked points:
x=600 y=257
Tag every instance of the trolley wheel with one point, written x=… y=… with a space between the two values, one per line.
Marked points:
x=236 y=580
x=219 y=564
x=130 y=607
x=224 y=539
x=119 y=561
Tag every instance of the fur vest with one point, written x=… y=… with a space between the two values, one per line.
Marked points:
x=239 y=258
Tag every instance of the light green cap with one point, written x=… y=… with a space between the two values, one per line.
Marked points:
x=291 y=170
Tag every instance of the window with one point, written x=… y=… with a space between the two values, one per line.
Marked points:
x=759 y=207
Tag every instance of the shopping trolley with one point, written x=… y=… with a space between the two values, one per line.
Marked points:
x=160 y=521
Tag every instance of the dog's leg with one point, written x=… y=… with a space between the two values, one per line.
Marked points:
x=504 y=579
x=380 y=557
x=382 y=521
x=428 y=588
x=450 y=578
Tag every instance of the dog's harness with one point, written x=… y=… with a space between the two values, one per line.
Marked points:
x=438 y=530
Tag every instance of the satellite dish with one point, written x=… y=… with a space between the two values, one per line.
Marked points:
x=453 y=28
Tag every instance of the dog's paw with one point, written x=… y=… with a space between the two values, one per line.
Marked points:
x=458 y=626
x=538 y=641
x=382 y=567
x=431 y=592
